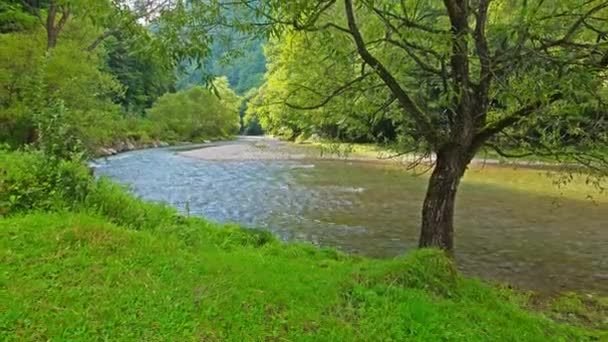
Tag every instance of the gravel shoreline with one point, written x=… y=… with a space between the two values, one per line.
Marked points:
x=247 y=148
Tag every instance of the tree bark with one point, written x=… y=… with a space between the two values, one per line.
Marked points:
x=51 y=33
x=438 y=209
x=52 y=28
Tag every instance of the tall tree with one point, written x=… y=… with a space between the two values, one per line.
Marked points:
x=178 y=28
x=471 y=74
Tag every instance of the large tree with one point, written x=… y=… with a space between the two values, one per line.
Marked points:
x=468 y=75
x=181 y=29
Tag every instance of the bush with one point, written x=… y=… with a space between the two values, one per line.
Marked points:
x=31 y=81
x=31 y=180
x=195 y=114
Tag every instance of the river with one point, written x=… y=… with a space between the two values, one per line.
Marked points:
x=531 y=240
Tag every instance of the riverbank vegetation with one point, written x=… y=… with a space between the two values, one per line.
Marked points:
x=197 y=114
x=104 y=70
x=92 y=261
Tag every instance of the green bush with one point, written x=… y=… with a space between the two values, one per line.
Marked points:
x=32 y=80
x=195 y=114
x=31 y=180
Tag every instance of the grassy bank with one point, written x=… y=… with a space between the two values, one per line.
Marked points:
x=91 y=262
x=68 y=276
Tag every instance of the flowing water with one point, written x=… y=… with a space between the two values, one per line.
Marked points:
x=530 y=240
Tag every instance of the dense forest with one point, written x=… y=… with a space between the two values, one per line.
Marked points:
x=106 y=79
x=244 y=66
x=439 y=83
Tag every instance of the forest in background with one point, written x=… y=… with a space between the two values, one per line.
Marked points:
x=112 y=83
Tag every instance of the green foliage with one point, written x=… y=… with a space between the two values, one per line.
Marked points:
x=116 y=204
x=321 y=92
x=105 y=66
x=13 y=17
x=34 y=181
x=145 y=77
x=243 y=63
x=198 y=281
x=20 y=57
x=33 y=83
x=196 y=114
x=576 y=308
x=252 y=125
x=429 y=270
x=250 y=120
x=297 y=96
x=57 y=137
x=37 y=181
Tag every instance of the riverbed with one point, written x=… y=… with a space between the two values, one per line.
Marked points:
x=509 y=226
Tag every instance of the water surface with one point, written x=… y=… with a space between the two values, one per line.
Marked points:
x=532 y=241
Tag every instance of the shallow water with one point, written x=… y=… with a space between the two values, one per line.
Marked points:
x=528 y=240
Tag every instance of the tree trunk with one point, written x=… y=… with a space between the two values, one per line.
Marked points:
x=51 y=41
x=54 y=27
x=51 y=33
x=438 y=209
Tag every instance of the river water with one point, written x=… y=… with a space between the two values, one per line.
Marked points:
x=532 y=241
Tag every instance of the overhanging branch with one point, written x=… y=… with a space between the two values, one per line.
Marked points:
x=333 y=94
x=404 y=99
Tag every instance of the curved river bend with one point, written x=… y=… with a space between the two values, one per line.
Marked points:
x=529 y=240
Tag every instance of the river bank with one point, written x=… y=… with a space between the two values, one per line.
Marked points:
x=80 y=277
x=511 y=223
x=269 y=148
x=94 y=261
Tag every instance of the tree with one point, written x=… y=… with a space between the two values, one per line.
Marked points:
x=359 y=110
x=88 y=54
x=33 y=81
x=177 y=29
x=145 y=76
x=196 y=114
x=239 y=57
x=14 y=18
x=470 y=74
x=249 y=120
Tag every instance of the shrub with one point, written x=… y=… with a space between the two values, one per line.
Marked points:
x=32 y=80
x=31 y=180
x=195 y=114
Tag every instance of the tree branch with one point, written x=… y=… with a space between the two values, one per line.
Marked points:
x=404 y=99
x=485 y=73
x=482 y=136
x=408 y=49
x=577 y=24
x=101 y=38
x=333 y=94
x=407 y=22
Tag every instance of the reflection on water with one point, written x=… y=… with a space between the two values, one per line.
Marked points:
x=525 y=239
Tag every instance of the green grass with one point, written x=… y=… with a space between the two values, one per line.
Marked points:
x=95 y=263
x=75 y=276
